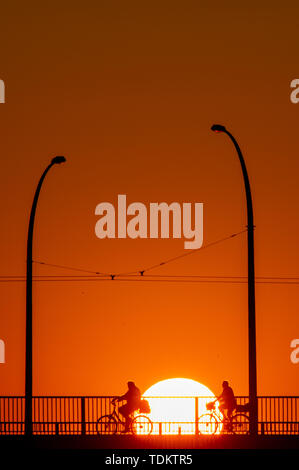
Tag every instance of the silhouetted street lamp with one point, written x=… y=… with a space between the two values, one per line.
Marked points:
x=28 y=365
x=253 y=416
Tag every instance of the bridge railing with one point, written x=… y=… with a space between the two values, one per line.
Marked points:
x=53 y=415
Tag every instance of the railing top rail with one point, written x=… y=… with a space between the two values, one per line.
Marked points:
x=113 y=396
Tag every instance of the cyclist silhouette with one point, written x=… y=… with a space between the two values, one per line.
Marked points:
x=133 y=398
x=227 y=400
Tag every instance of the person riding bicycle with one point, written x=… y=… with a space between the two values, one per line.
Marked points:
x=133 y=398
x=227 y=400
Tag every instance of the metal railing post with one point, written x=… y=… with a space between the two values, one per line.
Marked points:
x=196 y=416
x=83 y=422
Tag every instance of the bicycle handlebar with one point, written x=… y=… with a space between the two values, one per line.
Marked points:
x=114 y=401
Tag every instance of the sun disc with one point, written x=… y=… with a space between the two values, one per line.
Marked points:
x=173 y=405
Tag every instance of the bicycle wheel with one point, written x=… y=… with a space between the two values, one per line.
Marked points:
x=141 y=425
x=106 y=425
x=240 y=424
x=207 y=424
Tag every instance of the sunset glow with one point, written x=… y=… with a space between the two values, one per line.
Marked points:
x=173 y=401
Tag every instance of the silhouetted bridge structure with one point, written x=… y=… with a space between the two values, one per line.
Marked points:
x=78 y=416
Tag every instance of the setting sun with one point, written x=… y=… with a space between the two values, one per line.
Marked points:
x=173 y=405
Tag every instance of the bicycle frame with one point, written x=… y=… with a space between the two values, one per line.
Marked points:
x=116 y=415
x=221 y=419
x=138 y=422
x=236 y=423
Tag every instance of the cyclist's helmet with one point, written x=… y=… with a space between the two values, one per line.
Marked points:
x=225 y=383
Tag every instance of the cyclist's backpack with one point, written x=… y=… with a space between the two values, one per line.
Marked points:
x=243 y=408
x=144 y=406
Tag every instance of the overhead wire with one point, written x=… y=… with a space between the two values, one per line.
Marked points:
x=182 y=279
x=140 y=276
x=149 y=268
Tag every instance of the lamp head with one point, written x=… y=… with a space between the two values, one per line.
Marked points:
x=218 y=128
x=58 y=160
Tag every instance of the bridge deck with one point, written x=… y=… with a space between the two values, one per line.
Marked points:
x=150 y=442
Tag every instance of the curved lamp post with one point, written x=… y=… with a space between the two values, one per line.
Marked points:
x=28 y=365
x=253 y=417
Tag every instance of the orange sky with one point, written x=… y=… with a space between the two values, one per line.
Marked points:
x=127 y=91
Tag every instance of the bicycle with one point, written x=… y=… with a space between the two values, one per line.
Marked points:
x=208 y=423
x=109 y=424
